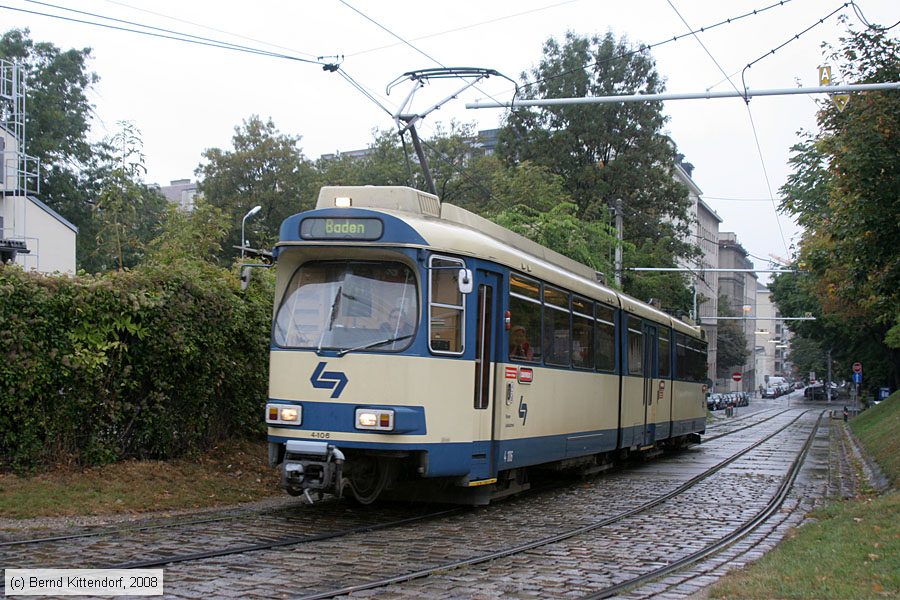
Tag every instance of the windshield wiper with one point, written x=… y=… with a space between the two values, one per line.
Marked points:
x=331 y=317
x=390 y=340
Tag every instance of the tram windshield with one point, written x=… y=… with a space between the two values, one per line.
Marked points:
x=348 y=306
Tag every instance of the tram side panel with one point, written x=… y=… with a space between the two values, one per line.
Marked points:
x=553 y=414
x=689 y=408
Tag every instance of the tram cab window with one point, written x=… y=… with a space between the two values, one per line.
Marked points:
x=525 y=319
x=342 y=305
x=447 y=309
x=606 y=338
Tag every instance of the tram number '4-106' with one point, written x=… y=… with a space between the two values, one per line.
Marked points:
x=321 y=434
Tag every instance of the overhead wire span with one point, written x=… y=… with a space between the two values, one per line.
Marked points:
x=465 y=27
x=791 y=39
x=865 y=21
x=157 y=32
x=752 y=123
x=401 y=130
x=645 y=47
x=726 y=199
x=702 y=45
x=207 y=27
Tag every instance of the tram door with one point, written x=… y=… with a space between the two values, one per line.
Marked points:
x=486 y=340
x=651 y=402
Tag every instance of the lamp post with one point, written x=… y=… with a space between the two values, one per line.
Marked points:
x=249 y=214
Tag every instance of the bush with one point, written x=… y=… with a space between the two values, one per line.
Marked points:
x=151 y=363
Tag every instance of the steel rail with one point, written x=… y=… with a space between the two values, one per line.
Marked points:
x=140 y=528
x=748 y=426
x=155 y=562
x=422 y=573
x=758 y=519
x=292 y=541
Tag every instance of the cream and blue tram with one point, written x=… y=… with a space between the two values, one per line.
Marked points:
x=415 y=342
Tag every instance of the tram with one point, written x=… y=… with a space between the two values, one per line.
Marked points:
x=421 y=351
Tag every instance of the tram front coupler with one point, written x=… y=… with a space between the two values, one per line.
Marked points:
x=312 y=467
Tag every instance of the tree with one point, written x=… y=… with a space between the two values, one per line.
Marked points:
x=844 y=191
x=382 y=164
x=265 y=168
x=560 y=229
x=605 y=152
x=128 y=213
x=57 y=119
x=196 y=235
x=731 y=343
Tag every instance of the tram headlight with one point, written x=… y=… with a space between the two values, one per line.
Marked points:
x=375 y=419
x=284 y=414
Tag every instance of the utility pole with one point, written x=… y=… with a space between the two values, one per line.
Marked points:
x=619 y=238
x=828 y=381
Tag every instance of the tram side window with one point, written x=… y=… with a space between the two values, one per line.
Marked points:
x=557 y=329
x=525 y=319
x=697 y=361
x=635 y=347
x=681 y=360
x=606 y=338
x=690 y=358
x=447 y=310
x=665 y=357
x=582 y=333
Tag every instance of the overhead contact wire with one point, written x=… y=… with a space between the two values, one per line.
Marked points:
x=179 y=37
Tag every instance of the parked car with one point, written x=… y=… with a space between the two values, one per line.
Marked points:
x=716 y=401
x=814 y=393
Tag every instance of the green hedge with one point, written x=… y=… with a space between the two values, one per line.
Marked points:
x=150 y=363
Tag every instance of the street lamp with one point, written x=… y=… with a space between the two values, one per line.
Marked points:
x=249 y=214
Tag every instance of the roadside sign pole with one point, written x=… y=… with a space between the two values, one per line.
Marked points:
x=857 y=383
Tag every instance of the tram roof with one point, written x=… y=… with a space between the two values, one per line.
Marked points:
x=454 y=229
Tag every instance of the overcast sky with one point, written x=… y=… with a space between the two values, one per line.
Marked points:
x=186 y=98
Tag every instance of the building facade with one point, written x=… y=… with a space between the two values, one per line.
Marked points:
x=704 y=235
x=182 y=192
x=771 y=352
x=739 y=289
x=32 y=234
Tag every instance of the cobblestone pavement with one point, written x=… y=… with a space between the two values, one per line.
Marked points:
x=569 y=568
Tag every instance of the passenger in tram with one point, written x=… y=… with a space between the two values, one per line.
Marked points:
x=518 y=344
x=581 y=347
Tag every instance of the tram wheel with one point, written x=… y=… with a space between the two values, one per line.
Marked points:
x=370 y=478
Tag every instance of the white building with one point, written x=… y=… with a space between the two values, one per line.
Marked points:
x=182 y=192
x=772 y=339
x=31 y=233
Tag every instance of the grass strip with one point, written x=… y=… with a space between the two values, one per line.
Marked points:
x=230 y=474
x=849 y=549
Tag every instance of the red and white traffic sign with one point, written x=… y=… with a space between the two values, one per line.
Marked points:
x=857 y=367
x=737 y=376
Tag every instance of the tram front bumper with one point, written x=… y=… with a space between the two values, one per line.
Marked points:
x=312 y=466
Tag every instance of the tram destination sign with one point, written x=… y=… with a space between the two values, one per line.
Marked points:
x=341 y=228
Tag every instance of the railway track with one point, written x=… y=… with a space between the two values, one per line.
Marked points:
x=580 y=532
x=282 y=542
x=264 y=529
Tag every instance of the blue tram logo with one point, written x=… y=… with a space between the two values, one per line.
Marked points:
x=329 y=380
